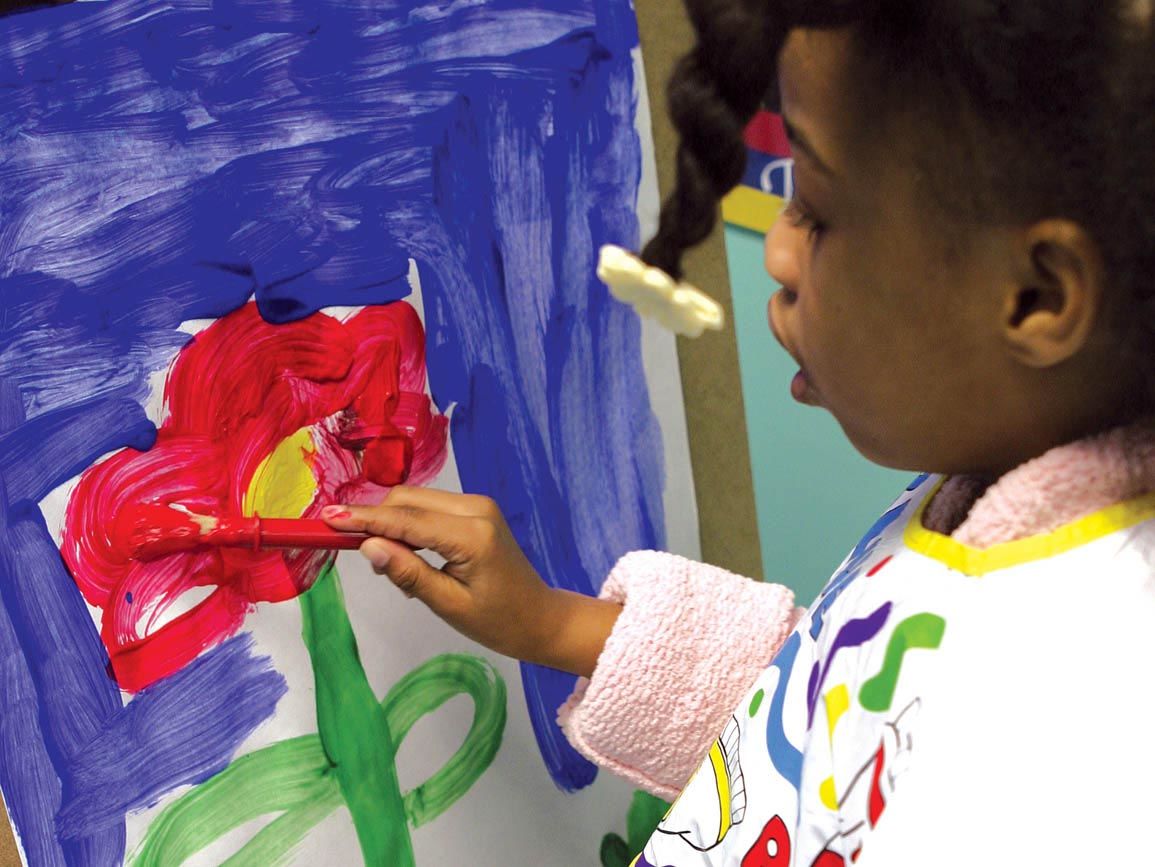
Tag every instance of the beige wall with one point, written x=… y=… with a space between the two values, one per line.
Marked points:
x=715 y=415
x=9 y=856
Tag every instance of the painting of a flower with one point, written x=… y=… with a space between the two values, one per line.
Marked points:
x=275 y=420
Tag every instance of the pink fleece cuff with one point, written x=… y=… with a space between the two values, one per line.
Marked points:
x=1063 y=485
x=690 y=640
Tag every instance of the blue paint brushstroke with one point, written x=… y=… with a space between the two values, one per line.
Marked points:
x=75 y=759
x=27 y=774
x=168 y=162
x=157 y=743
x=44 y=453
x=66 y=662
x=545 y=360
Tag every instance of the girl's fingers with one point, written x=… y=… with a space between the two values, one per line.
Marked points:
x=416 y=578
x=415 y=526
x=465 y=505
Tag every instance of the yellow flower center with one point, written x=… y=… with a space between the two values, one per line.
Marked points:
x=284 y=484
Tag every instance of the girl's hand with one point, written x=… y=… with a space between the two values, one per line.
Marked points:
x=487 y=590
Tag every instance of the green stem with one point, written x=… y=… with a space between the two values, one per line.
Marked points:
x=306 y=778
x=424 y=690
x=353 y=728
x=290 y=776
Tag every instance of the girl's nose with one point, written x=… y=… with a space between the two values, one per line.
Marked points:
x=783 y=249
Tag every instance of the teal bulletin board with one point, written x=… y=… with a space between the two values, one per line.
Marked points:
x=814 y=494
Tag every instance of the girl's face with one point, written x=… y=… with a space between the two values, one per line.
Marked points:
x=895 y=321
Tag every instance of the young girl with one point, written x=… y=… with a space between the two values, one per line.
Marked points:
x=967 y=288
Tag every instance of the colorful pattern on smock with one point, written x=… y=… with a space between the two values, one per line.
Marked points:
x=809 y=760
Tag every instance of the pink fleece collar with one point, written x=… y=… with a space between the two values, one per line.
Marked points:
x=1061 y=486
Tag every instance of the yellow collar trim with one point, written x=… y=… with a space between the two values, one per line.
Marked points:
x=977 y=562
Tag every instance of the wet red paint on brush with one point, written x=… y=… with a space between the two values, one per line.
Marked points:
x=233 y=395
x=155 y=534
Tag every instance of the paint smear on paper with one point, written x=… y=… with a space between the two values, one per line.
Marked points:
x=158 y=742
x=171 y=162
x=297 y=783
x=75 y=757
x=276 y=420
x=544 y=361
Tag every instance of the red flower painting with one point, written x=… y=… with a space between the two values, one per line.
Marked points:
x=277 y=420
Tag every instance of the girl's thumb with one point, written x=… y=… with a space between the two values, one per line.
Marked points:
x=412 y=575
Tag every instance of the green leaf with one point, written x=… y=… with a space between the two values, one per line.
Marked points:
x=615 y=852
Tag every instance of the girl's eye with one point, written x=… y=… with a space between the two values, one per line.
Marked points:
x=801 y=217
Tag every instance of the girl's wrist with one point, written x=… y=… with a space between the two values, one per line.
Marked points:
x=572 y=631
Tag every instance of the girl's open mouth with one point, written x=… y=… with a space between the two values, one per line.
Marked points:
x=801 y=388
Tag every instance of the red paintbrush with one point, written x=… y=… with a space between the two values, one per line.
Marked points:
x=155 y=531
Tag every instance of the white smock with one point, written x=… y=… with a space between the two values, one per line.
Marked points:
x=941 y=705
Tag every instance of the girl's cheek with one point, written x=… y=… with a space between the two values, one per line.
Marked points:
x=826 y=278
x=812 y=277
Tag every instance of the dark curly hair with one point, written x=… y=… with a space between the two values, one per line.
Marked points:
x=713 y=93
x=1034 y=109
x=9 y=6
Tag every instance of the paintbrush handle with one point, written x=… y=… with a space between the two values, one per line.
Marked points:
x=152 y=531
x=306 y=533
x=262 y=533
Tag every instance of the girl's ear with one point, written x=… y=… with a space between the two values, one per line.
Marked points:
x=1052 y=307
